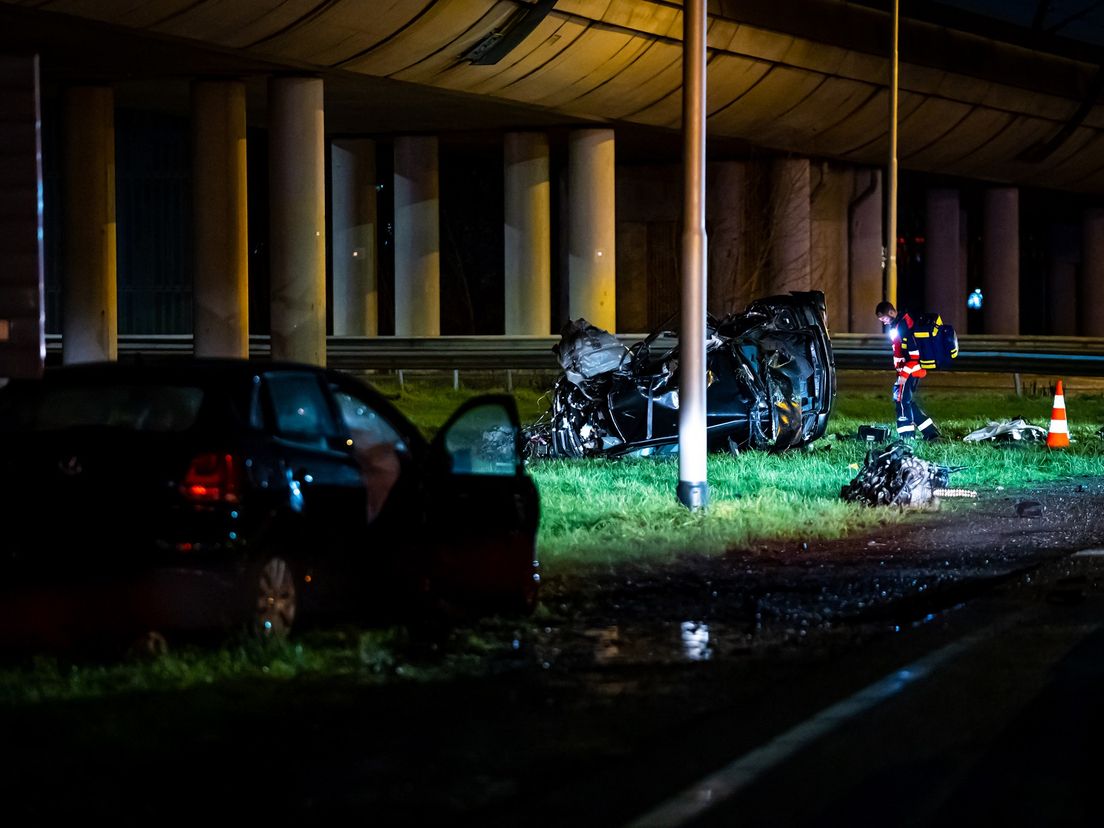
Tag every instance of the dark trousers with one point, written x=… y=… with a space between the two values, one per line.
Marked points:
x=910 y=416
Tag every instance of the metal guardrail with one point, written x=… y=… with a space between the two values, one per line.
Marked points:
x=1058 y=355
x=1068 y=355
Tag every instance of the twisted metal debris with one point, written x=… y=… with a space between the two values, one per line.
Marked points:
x=895 y=476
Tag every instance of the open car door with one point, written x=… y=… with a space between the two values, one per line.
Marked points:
x=484 y=511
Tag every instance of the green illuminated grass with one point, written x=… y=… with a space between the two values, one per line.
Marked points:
x=359 y=657
x=599 y=512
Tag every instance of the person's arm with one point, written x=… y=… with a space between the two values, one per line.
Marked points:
x=898 y=361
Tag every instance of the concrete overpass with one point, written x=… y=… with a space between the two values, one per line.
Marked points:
x=358 y=107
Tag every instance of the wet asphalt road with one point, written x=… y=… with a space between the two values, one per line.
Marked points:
x=999 y=722
x=630 y=688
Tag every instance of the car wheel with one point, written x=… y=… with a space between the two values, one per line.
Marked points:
x=274 y=600
x=149 y=645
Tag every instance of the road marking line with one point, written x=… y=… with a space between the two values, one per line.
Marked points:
x=1089 y=553
x=725 y=783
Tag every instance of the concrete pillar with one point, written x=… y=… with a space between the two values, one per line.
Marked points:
x=1000 y=276
x=633 y=290
x=1065 y=256
x=828 y=241
x=220 y=289
x=417 y=238
x=528 y=234
x=22 y=334
x=864 y=251
x=592 y=266
x=945 y=280
x=1092 y=272
x=726 y=205
x=355 y=258
x=89 y=306
x=648 y=207
x=790 y=230
x=297 y=218
x=961 y=316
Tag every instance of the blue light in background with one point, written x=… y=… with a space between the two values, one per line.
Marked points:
x=974 y=300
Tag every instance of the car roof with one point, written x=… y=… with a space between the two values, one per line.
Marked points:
x=228 y=374
x=203 y=369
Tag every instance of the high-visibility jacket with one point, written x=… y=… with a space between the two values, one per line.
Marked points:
x=906 y=353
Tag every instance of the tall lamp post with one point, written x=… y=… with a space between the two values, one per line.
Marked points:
x=693 y=490
x=891 y=188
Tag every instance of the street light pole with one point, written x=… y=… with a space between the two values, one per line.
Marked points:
x=693 y=490
x=891 y=188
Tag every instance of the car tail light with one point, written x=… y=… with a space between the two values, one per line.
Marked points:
x=212 y=478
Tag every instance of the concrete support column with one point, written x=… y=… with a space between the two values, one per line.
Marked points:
x=22 y=328
x=219 y=211
x=828 y=241
x=1092 y=272
x=634 y=293
x=297 y=219
x=592 y=265
x=1065 y=256
x=89 y=305
x=417 y=238
x=528 y=234
x=790 y=230
x=1000 y=278
x=864 y=251
x=945 y=280
x=726 y=207
x=355 y=258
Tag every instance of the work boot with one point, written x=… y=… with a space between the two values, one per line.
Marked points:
x=928 y=430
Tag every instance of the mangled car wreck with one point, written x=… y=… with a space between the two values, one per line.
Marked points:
x=770 y=375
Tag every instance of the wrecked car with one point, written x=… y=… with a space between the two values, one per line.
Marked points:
x=770 y=385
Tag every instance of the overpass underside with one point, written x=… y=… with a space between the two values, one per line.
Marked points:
x=565 y=118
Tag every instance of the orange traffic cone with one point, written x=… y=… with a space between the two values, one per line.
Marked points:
x=1058 y=435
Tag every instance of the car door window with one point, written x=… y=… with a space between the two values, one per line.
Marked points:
x=300 y=409
x=376 y=445
x=483 y=440
x=365 y=424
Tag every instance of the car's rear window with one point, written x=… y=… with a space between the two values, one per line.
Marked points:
x=139 y=407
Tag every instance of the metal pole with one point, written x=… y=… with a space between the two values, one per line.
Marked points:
x=693 y=490
x=891 y=189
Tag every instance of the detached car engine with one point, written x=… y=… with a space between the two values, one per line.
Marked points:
x=770 y=385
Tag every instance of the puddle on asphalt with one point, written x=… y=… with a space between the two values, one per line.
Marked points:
x=686 y=641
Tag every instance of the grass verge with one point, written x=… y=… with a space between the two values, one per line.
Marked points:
x=599 y=512
x=603 y=513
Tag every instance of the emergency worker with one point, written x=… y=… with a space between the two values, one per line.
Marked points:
x=906 y=361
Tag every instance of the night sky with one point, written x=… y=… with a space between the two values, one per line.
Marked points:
x=1075 y=19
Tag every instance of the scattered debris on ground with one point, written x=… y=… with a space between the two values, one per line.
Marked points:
x=895 y=476
x=1029 y=508
x=1016 y=428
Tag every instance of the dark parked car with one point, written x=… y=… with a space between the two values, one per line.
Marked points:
x=220 y=493
x=770 y=373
